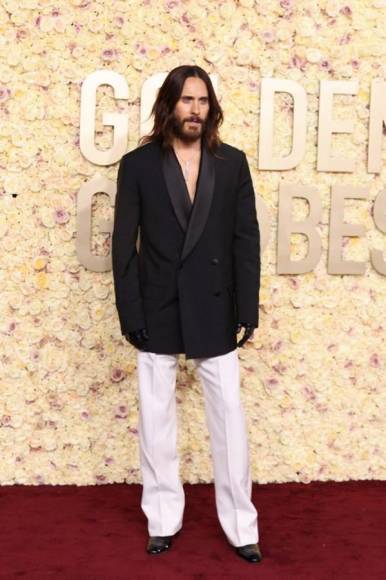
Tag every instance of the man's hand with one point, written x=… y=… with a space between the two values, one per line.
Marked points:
x=248 y=332
x=138 y=338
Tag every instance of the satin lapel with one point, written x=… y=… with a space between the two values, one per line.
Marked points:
x=202 y=202
x=176 y=188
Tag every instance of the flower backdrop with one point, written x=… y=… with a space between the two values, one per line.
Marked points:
x=313 y=377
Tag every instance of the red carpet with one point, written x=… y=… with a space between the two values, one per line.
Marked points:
x=307 y=531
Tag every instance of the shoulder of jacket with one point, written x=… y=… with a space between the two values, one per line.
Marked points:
x=231 y=150
x=138 y=152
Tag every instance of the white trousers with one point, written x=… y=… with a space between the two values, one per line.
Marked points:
x=163 y=498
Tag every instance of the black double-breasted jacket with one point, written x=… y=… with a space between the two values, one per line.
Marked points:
x=194 y=272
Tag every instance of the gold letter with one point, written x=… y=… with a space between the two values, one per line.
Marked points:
x=379 y=211
x=339 y=228
x=327 y=125
x=286 y=226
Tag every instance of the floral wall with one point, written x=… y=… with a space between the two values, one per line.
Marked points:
x=313 y=377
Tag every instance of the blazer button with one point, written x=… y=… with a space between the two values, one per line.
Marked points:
x=214 y=261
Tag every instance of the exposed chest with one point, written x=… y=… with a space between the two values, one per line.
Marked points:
x=167 y=183
x=190 y=170
x=191 y=177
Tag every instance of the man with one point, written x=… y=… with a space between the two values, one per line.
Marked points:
x=189 y=288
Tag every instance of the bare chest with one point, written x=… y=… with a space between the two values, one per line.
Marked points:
x=190 y=169
x=191 y=178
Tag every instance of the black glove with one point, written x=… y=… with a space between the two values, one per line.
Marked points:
x=138 y=338
x=248 y=331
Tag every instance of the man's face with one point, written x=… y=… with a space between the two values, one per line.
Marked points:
x=191 y=110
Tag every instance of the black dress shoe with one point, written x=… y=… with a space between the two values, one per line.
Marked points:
x=250 y=552
x=157 y=544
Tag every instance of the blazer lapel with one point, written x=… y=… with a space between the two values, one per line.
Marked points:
x=176 y=187
x=192 y=217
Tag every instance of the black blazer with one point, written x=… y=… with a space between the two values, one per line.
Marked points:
x=196 y=271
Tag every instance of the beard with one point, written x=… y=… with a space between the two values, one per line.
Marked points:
x=181 y=131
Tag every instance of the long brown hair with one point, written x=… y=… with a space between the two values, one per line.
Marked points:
x=166 y=99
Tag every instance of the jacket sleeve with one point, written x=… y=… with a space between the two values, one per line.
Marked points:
x=246 y=249
x=124 y=252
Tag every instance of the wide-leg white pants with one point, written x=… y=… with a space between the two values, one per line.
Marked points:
x=163 y=498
